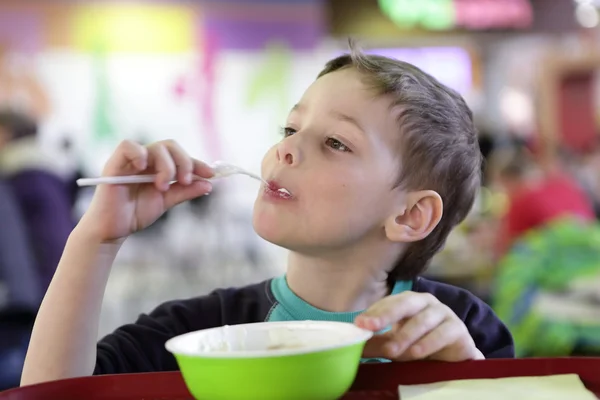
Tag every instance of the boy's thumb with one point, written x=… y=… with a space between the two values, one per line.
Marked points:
x=376 y=346
x=179 y=193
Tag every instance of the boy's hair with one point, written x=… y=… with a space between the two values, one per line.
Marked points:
x=437 y=143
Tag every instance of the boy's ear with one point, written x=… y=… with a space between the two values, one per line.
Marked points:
x=420 y=214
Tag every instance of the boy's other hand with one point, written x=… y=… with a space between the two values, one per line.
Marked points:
x=117 y=211
x=421 y=328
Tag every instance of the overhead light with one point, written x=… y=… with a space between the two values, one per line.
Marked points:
x=595 y=3
x=587 y=15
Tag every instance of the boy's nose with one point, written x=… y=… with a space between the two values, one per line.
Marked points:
x=288 y=153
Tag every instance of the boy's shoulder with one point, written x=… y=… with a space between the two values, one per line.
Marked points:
x=228 y=306
x=140 y=347
x=448 y=294
x=490 y=334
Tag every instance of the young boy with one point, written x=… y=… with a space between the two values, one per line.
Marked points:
x=380 y=161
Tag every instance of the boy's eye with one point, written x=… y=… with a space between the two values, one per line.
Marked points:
x=336 y=145
x=287 y=132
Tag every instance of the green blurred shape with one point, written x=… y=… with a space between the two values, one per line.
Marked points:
x=430 y=14
x=103 y=124
x=271 y=79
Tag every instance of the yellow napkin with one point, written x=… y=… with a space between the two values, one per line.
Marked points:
x=553 y=387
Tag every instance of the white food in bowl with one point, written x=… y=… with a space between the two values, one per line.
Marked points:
x=267 y=339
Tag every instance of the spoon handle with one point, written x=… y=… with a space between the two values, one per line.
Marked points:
x=116 y=180
x=137 y=179
x=251 y=175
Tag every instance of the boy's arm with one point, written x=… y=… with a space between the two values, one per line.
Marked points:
x=63 y=341
x=63 y=344
x=132 y=348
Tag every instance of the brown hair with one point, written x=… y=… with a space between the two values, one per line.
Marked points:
x=438 y=145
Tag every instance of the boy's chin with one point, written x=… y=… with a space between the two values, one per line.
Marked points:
x=269 y=232
x=277 y=234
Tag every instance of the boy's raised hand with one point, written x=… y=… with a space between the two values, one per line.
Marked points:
x=117 y=211
x=421 y=328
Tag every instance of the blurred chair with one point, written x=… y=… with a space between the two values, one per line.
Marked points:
x=547 y=290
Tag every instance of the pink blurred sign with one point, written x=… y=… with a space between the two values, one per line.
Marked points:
x=485 y=14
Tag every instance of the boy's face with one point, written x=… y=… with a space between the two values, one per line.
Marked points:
x=339 y=161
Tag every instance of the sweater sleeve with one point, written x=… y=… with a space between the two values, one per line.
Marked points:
x=140 y=347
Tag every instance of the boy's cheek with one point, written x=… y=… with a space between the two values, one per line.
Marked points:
x=268 y=161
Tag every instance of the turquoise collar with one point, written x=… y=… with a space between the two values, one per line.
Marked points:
x=300 y=310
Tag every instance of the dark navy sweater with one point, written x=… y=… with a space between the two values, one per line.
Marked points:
x=140 y=347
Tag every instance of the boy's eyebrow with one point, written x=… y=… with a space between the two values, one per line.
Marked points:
x=336 y=114
x=346 y=118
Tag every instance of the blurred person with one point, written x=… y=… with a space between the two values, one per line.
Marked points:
x=20 y=295
x=587 y=169
x=39 y=185
x=380 y=162
x=487 y=145
x=535 y=196
x=17 y=264
x=20 y=87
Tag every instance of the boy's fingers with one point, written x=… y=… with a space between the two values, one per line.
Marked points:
x=167 y=159
x=379 y=346
x=178 y=193
x=418 y=326
x=183 y=162
x=185 y=166
x=128 y=158
x=447 y=335
x=382 y=345
x=395 y=308
x=202 y=169
x=162 y=162
x=422 y=328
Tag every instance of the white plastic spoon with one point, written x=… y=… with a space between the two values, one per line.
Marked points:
x=222 y=170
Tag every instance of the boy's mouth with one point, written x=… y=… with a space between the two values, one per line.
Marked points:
x=274 y=190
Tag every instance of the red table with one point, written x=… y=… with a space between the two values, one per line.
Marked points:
x=374 y=381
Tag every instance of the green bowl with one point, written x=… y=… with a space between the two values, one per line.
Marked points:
x=271 y=360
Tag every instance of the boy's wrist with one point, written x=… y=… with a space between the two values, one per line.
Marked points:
x=86 y=235
x=87 y=230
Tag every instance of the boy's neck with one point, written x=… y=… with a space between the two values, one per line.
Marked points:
x=340 y=282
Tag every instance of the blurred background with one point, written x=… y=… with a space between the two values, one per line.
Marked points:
x=77 y=77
